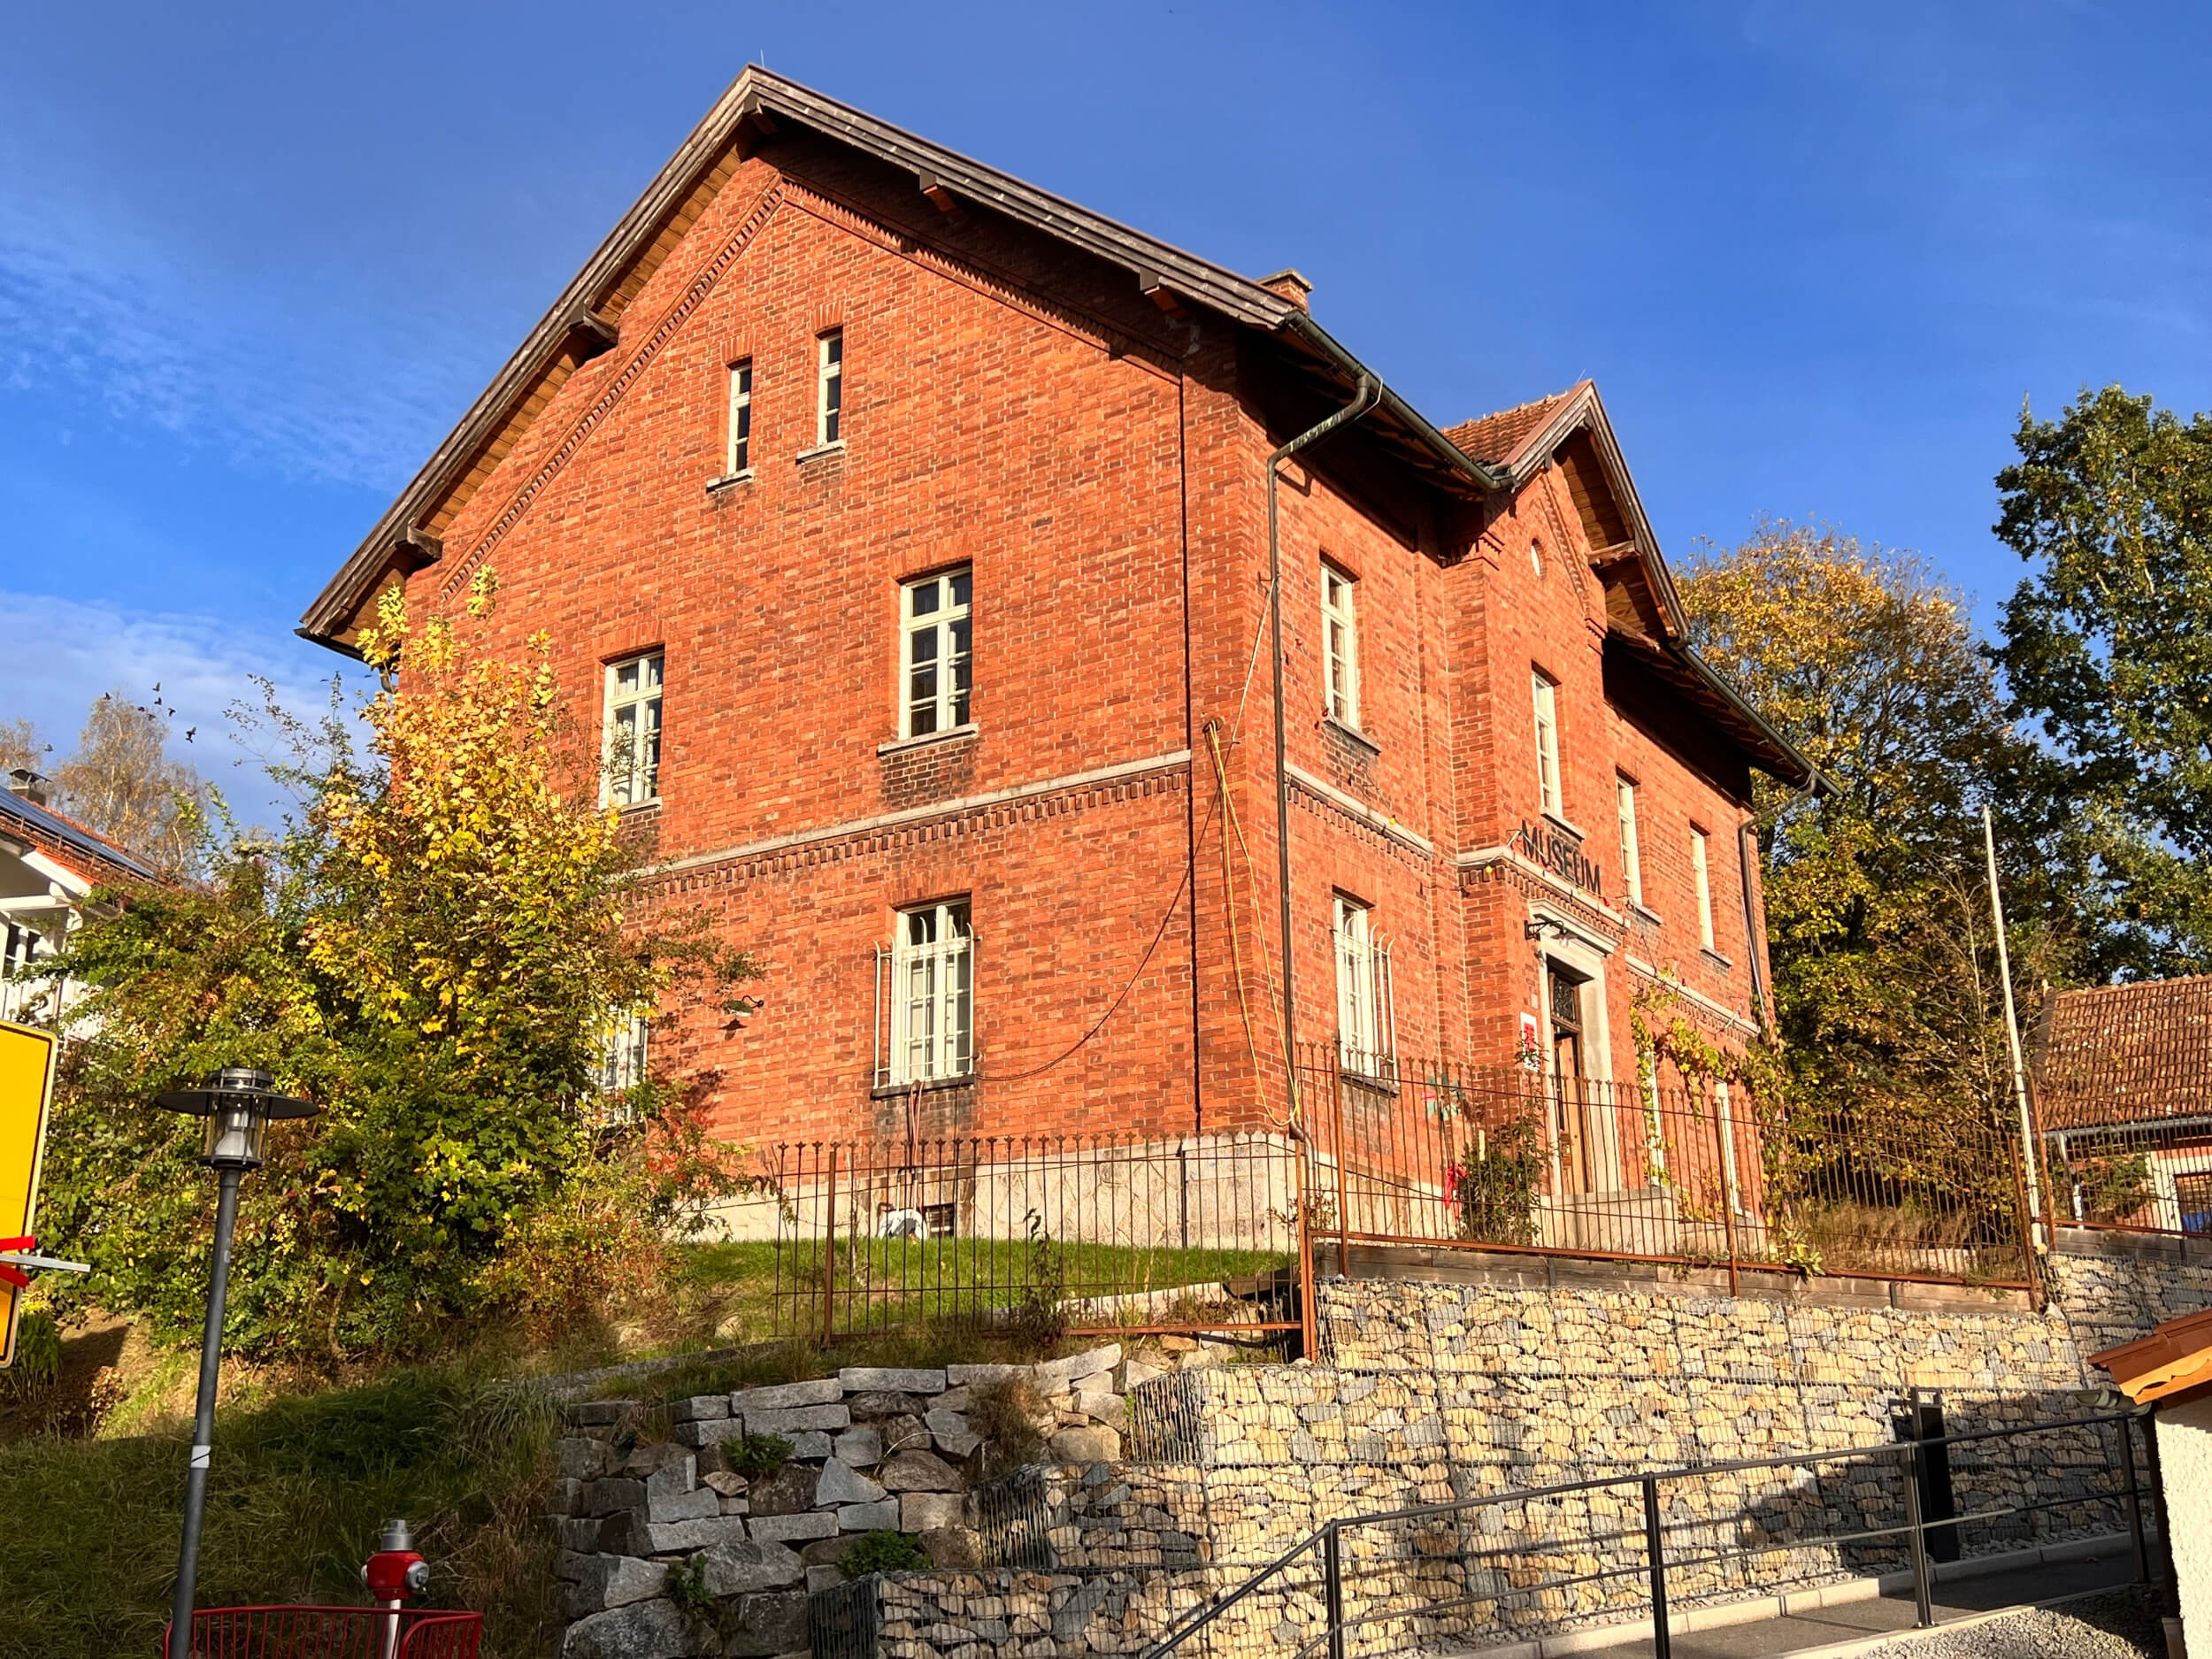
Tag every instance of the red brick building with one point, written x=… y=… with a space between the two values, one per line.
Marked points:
x=911 y=527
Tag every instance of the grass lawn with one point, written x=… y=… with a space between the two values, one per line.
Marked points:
x=879 y=1282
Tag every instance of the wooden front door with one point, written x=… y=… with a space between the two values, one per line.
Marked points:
x=1569 y=1095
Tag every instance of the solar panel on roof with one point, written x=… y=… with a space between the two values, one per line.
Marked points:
x=56 y=827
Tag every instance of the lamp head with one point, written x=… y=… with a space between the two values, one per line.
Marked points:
x=238 y=1102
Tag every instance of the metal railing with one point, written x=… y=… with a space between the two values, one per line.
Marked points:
x=1500 y=1567
x=2154 y=1176
x=1082 y=1233
x=332 y=1632
x=1416 y=1152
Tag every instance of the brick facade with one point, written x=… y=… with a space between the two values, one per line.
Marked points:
x=1015 y=402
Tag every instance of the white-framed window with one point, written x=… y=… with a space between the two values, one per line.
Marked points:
x=1632 y=855
x=1723 y=1110
x=740 y=456
x=633 y=730
x=1547 y=695
x=1536 y=556
x=1366 y=1016
x=829 y=378
x=622 y=1050
x=19 y=948
x=926 y=997
x=935 y=652
x=1339 y=635
x=1701 y=875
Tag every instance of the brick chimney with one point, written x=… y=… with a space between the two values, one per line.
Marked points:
x=1291 y=286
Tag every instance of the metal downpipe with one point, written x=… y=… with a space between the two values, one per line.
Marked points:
x=1364 y=399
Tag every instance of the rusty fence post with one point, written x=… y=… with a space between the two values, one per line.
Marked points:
x=1302 y=1144
x=829 y=1252
x=1343 y=1192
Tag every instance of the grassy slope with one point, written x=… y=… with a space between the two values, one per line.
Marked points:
x=299 y=1488
x=301 y=1484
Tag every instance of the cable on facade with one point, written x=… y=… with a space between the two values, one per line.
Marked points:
x=1175 y=900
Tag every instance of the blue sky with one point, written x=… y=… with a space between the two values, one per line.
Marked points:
x=254 y=260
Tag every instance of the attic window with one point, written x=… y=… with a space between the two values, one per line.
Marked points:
x=1536 y=556
x=830 y=378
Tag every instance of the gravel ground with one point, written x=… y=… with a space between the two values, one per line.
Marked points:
x=2121 y=1624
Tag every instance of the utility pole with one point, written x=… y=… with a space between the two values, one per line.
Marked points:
x=2012 y=1035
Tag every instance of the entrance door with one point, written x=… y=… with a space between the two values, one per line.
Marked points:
x=1571 y=1096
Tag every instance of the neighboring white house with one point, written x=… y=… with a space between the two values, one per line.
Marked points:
x=50 y=863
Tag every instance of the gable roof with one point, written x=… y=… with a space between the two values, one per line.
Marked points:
x=1519 y=444
x=82 y=851
x=1499 y=439
x=2123 y=1054
x=585 y=318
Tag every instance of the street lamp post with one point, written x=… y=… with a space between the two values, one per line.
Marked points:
x=238 y=1102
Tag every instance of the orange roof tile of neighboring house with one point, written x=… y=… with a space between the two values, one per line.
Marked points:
x=2175 y=1358
x=1497 y=439
x=2126 y=1054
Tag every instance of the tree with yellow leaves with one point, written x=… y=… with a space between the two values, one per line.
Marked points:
x=432 y=951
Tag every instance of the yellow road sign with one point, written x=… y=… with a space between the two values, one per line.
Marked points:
x=27 y=1090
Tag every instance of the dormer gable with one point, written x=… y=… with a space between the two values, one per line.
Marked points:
x=1571 y=431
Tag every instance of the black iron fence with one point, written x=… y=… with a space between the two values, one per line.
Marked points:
x=1067 y=1232
x=1211 y=1232
x=1507 y=1158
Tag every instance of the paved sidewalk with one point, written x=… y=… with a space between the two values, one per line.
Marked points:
x=1854 y=1623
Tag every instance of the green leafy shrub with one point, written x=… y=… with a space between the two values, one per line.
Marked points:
x=1496 y=1188
x=757 y=1455
x=883 y=1552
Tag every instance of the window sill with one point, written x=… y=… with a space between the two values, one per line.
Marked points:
x=638 y=809
x=819 y=450
x=721 y=484
x=1555 y=819
x=1716 y=958
x=948 y=736
x=934 y=1086
x=1351 y=734
x=1379 y=1081
x=1645 y=913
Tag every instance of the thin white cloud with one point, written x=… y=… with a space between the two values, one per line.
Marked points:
x=73 y=652
x=90 y=305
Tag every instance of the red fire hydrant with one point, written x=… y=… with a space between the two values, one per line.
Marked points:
x=396 y=1575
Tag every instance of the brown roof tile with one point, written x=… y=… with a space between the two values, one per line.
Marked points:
x=2126 y=1054
x=1496 y=439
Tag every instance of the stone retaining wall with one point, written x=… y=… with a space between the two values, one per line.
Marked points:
x=1443 y=1391
x=668 y=1551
